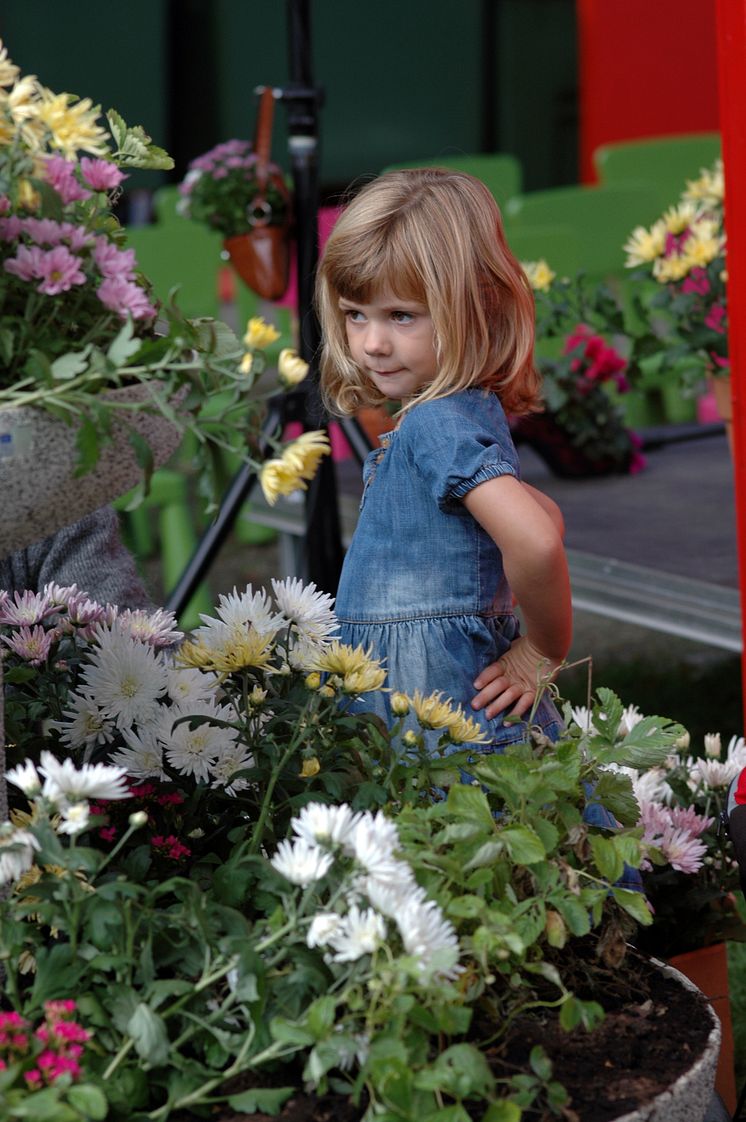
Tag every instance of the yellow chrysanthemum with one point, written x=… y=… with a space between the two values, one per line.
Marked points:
x=645 y=245
x=399 y=704
x=309 y=768
x=28 y=196
x=259 y=334
x=434 y=713
x=540 y=276
x=467 y=731
x=19 y=114
x=357 y=670
x=243 y=649
x=709 y=189
x=291 y=368
x=298 y=462
x=678 y=218
x=700 y=250
x=72 y=124
x=8 y=71
x=668 y=269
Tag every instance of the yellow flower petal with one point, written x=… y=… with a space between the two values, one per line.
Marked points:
x=72 y=123
x=291 y=368
x=540 y=276
x=259 y=334
x=310 y=768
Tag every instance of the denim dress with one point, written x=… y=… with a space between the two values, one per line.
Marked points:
x=423 y=584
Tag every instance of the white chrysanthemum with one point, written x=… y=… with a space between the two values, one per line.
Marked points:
x=17 y=848
x=193 y=747
x=25 y=777
x=735 y=753
x=319 y=823
x=186 y=686
x=324 y=925
x=125 y=677
x=373 y=843
x=157 y=629
x=74 y=818
x=232 y=759
x=308 y=610
x=301 y=863
x=714 y=773
x=429 y=937
x=64 y=783
x=631 y=716
x=142 y=758
x=239 y=610
x=389 y=899
x=85 y=723
x=304 y=654
x=360 y=932
x=583 y=718
x=651 y=786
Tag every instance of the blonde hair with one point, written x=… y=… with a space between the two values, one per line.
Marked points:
x=434 y=236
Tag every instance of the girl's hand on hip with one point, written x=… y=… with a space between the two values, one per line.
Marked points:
x=515 y=679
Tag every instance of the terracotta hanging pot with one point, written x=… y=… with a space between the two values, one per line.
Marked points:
x=38 y=459
x=262 y=259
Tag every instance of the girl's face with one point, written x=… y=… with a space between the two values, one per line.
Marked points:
x=393 y=342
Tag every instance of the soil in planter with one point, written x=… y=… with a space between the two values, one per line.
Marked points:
x=653 y=1031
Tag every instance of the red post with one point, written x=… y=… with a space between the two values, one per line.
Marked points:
x=731 y=29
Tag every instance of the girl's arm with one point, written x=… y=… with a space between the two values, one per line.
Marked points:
x=549 y=505
x=527 y=535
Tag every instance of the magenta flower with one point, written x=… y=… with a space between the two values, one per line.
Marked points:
x=101 y=175
x=11 y=227
x=43 y=231
x=60 y=174
x=714 y=319
x=125 y=298
x=60 y=270
x=696 y=282
x=26 y=264
x=114 y=262
x=31 y=644
x=77 y=237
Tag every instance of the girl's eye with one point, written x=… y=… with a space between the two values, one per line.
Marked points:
x=402 y=317
x=353 y=315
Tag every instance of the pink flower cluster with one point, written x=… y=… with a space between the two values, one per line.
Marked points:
x=170 y=847
x=54 y=1048
x=65 y=175
x=61 y=255
x=676 y=832
x=218 y=162
x=598 y=361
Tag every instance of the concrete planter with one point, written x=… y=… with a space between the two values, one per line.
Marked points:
x=38 y=454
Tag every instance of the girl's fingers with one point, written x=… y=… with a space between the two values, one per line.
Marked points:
x=489 y=674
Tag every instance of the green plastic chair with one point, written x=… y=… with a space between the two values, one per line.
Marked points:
x=600 y=218
x=175 y=251
x=499 y=171
x=557 y=245
x=664 y=163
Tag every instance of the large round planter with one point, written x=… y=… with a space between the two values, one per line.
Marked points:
x=41 y=492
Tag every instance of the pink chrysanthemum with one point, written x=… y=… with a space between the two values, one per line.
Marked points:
x=101 y=175
x=31 y=644
x=26 y=264
x=26 y=608
x=114 y=262
x=43 y=231
x=125 y=298
x=60 y=174
x=59 y=271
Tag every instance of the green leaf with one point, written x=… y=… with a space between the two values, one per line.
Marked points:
x=486 y=855
x=264 y=1100
x=148 y=1031
x=574 y=1012
x=524 y=844
x=124 y=345
x=88 y=444
x=460 y=1071
x=574 y=914
x=606 y=856
x=7 y=345
x=88 y=1100
x=502 y=1112
x=540 y=1063
x=288 y=1032
x=70 y=365
x=635 y=904
x=320 y=1016
x=470 y=803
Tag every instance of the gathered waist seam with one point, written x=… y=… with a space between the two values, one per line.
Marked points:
x=427 y=617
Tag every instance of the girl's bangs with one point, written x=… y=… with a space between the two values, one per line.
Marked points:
x=361 y=275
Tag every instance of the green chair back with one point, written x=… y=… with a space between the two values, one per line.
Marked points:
x=665 y=163
x=175 y=251
x=499 y=171
x=600 y=218
x=557 y=245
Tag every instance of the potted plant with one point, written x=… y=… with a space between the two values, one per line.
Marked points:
x=236 y=190
x=679 y=296
x=98 y=384
x=256 y=897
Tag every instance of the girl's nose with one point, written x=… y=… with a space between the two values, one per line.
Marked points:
x=376 y=339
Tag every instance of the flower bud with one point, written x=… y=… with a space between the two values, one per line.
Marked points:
x=291 y=368
x=683 y=742
x=259 y=334
x=313 y=680
x=310 y=768
x=326 y=691
x=399 y=704
x=410 y=738
x=713 y=747
x=138 y=819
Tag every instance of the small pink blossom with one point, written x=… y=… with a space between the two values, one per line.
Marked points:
x=59 y=271
x=26 y=264
x=112 y=261
x=4 y=204
x=32 y=645
x=60 y=174
x=101 y=175
x=25 y=608
x=125 y=298
x=157 y=628
x=33 y=1077
x=43 y=231
x=714 y=319
x=11 y=227
x=696 y=281
x=77 y=237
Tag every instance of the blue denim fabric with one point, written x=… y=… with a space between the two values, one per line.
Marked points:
x=423 y=584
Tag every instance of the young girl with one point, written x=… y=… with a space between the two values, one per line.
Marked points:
x=422 y=302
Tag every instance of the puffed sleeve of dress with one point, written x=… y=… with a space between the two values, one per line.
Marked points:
x=457 y=442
